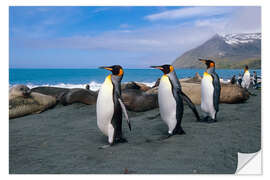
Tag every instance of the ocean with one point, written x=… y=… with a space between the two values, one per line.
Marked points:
x=78 y=78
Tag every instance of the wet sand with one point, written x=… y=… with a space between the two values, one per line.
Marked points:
x=65 y=140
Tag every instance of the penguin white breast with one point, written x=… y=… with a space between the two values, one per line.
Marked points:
x=105 y=105
x=246 y=80
x=167 y=103
x=207 y=94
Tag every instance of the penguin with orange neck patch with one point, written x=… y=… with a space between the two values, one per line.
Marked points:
x=109 y=106
x=170 y=100
x=246 y=78
x=210 y=92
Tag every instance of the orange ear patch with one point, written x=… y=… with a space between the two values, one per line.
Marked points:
x=121 y=72
x=171 y=68
x=212 y=64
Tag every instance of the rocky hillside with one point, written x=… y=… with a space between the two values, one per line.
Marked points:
x=229 y=51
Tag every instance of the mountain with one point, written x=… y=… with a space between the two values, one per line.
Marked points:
x=228 y=51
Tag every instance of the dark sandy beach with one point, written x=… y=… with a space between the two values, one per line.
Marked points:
x=65 y=139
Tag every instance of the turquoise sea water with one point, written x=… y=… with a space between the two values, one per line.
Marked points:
x=73 y=77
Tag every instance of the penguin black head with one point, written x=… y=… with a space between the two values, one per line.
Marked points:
x=209 y=63
x=116 y=70
x=166 y=68
x=246 y=68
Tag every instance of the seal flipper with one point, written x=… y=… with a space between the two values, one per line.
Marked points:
x=125 y=112
x=191 y=105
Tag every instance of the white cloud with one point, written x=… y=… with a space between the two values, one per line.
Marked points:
x=209 y=22
x=159 y=43
x=189 y=12
x=244 y=20
x=100 y=9
x=172 y=39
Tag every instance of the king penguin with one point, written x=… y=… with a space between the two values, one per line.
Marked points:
x=246 y=78
x=170 y=100
x=210 y=92
x=109 y=106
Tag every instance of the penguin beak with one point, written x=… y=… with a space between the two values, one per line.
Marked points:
x=205 y=62
x=202 y=60
x=157 y=67
x=106 y=67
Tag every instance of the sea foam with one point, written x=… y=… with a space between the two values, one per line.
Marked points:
x=94 y=86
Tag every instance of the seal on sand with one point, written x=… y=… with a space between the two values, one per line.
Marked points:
x=23 y=102
x=19 y=90
x=78 y=95
x=138 y=100
x=68 y=96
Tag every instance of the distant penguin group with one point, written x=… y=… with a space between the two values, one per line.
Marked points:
x=109 y=106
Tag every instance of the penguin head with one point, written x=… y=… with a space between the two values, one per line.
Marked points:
x=209 y=63
x=166 y=68
x=246 y=68
x=116 y=70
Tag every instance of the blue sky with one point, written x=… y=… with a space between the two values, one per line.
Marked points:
x=134 y=37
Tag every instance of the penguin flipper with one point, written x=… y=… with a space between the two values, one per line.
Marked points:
x=217 y=88
x=190 y=105
x=125 y=112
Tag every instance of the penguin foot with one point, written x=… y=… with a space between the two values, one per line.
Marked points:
x=121 y=140
x=179 y=131
x=210 y=120
x=205 y=119
x=104 y=146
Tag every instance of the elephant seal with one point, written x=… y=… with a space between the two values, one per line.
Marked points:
x=19 y=90
x=196 y=79
x=156 y=83
x=51 y=91
x=138 y=100
x=135 y=85
x=67 y=96
x=84 y=96
x=23 y=102
x=230 y=93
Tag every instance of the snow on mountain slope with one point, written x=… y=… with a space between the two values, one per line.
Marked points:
x=236 y=39
x=230 y=50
